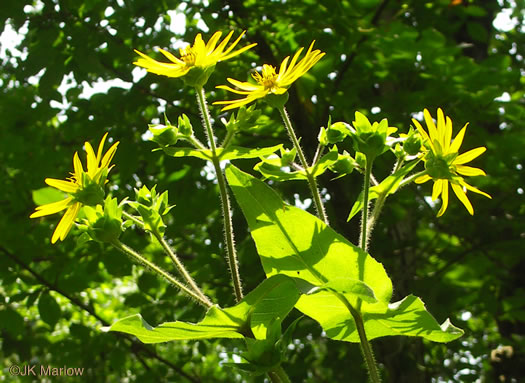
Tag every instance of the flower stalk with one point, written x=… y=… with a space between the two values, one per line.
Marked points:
x=225 y=200
x=158 y=270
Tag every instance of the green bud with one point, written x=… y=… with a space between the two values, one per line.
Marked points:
x=337 y=132
x=370 y=139
x=344 y=165
x=185 y=128
x=164 y=135
x=288 y=156
x=323 y=137
x=104 y=224
x=412 y=144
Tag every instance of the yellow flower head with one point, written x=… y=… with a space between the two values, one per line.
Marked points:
x=268 y=81
x=443 y=164
x=83 y=187
x=198 y=55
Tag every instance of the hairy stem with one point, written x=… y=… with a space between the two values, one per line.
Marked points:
x=312 y=182
x=178 y=264
x=363 y=243
x=225 y=200
x=158 y=270
x=180 y=267
x=365 y=344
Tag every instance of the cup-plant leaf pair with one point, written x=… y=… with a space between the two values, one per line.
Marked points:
x=292 y=242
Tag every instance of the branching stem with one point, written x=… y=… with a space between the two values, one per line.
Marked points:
x=312 y=182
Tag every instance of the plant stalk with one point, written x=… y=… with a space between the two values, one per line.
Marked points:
x=225 y=200
x=158 y=270
x=178 y=264
x=363 y=243
x=312 y=182
x=365 y=344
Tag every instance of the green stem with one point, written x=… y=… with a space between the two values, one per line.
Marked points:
x=225 y=200
x=312 y=182
x=279 y=376
x=365 y=344
x=178 y=264
x=180 y=267
x=156 y=269
x=363 y=243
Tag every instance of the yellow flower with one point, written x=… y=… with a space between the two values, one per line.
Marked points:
x=443 y=164
x=199 y=55
x=268 y=81
x=83 y=187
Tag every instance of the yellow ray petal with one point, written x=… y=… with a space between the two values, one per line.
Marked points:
x=469 y=171
x=475 y=189
x=430 y=125
x=448 y=134
x=422 y=179
x=458 y=140
x=109 y=155
x=463 y=198
x=469 y=156
x=444 y=199
x=244 y=85
x=436 y=190
x=51 y=208
x=65 y=186
x=101 y=147
x=65 y=224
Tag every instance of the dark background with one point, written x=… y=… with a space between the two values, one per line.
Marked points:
x=399 y=56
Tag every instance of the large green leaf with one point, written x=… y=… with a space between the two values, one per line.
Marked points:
x=407 y=317
x=269 y=302
x=204 y=154
x=293 y=242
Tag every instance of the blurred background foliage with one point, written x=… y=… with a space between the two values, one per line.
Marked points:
x=67 y=77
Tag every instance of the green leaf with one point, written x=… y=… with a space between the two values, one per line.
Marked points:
x=275 y=172
x=325 y=162
x=407 y=317
x=49 y=309
x=315 y=253
x=389 y=186
x=47 y=195
x=216 y=324
x=231 y=152
x=269 y=302
x=350 y=287
x=237 y=152
x=204 y=154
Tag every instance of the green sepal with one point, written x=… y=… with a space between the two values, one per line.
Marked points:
x=244 y=119
x=197 y=76
x=276 y=100
x=185 y=127
x=344 y=165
